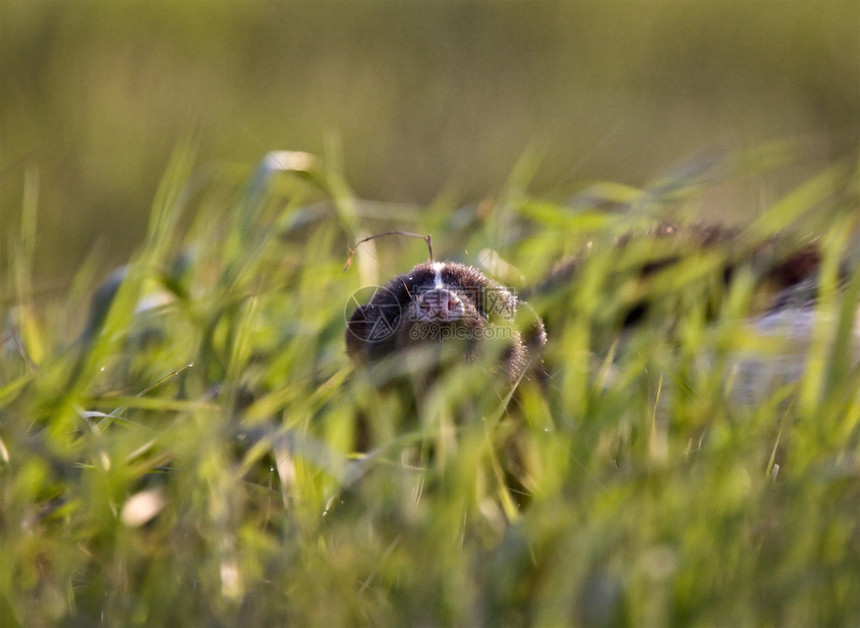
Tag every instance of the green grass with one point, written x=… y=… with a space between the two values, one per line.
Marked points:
x=190 y=463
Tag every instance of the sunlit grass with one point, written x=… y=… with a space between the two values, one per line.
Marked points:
x=180 y=449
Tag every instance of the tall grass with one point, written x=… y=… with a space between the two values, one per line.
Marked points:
x=180 y=448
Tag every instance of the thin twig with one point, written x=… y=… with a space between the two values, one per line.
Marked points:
x=426 y=238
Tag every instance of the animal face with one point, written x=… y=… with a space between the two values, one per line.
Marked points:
x=445 y=305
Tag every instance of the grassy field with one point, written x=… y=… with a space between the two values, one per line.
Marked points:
x=177 y=449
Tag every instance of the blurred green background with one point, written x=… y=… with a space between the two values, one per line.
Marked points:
x=418 y=98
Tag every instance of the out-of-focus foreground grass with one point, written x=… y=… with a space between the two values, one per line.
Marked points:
x=178 y=450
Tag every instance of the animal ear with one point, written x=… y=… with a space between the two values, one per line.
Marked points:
x=369 y=333
x=358 y=332
x=524 y=355
x=531 y=327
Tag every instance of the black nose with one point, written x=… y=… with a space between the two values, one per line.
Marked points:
x=438 y=305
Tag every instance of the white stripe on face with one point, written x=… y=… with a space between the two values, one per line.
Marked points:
x=437 y=268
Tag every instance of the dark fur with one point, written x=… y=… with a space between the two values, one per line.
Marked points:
x=392 y=321
x=780 y=264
